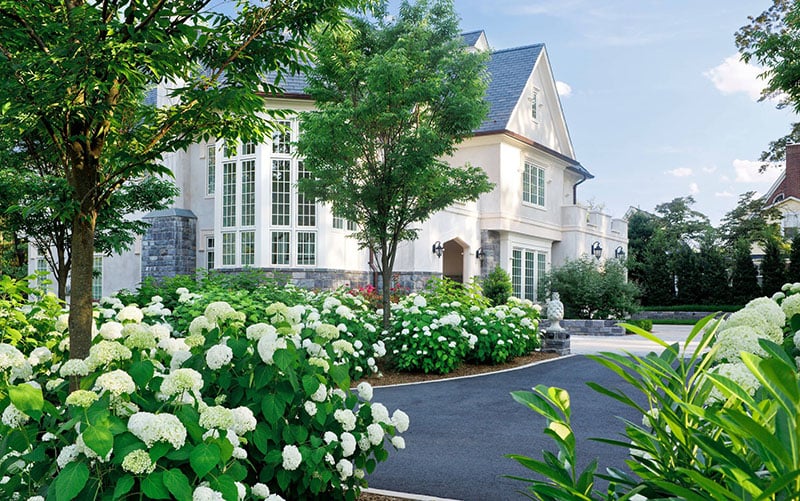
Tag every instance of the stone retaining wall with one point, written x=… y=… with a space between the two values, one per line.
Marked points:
x=589 y=327
x=671 y=315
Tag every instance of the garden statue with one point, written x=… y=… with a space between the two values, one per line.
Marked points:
x=555 y=313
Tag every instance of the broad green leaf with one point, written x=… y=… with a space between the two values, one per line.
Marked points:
x=153 y=486
x=123 y=486
x=310 y=384
x=26 y=398
x=142 y=372
x=204 y=458
x=99 y=439
x=272 y=409
x=71 y=481
x=177 y=483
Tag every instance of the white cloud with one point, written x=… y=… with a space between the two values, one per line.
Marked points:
x=694 y=189
x=710 y=170
x=680 y=172
x=724 y=194
x=747 y=172
x=734 y=76
x=563 y=88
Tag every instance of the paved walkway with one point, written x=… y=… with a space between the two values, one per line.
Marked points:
x=462 y=428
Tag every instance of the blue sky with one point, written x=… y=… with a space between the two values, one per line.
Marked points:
x=657 y=103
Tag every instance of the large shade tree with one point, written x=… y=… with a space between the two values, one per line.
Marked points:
x=395 y=95
x=79 y=70
x=772 y=40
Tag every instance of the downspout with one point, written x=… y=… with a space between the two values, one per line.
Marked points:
x=584 y=177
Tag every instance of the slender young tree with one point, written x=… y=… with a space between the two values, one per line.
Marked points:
x=395 y=96
x=79 y=70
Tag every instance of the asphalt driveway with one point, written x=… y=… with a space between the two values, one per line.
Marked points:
x=461 y=429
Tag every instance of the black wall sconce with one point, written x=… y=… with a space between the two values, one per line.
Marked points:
x=597 y=251
x=480 y=254
x=438 y=248
x=619 y=253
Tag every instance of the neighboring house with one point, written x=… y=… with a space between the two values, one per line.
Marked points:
x=241 y=208
x=784 y=194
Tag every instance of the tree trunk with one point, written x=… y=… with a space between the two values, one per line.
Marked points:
x=386 y=274
x=80 y=306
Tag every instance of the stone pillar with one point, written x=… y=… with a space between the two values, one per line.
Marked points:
x=169 y=247
x=556 y=341
x=490 y=243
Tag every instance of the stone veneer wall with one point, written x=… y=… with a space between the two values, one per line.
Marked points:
x=169 y=247
x=671 y=315
x=490 y=243
x=589 y=327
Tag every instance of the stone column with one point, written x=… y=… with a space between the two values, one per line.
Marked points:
x=169 y=247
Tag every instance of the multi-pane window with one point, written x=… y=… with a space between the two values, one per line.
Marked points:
x=248 y=248
x=211 y=169
x=248 y=193
x=229 y=194
x=282 y=138
x=306 y=248
x=228 y=249
x=97 y=278
x=533 y=184
x=339 y=223
x=280 y=247
x=281 y=192
x=528 y=268
x=42 y=271
x=249 y=149
x=210 y=255
x=535 y=105
x=306 y=207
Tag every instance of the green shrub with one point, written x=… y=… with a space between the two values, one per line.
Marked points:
x=497 y=286
x=593 y=292
x=643 y=324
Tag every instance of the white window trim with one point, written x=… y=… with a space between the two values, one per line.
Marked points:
x=522 y=185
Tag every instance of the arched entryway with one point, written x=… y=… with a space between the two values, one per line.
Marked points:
x=453 y=261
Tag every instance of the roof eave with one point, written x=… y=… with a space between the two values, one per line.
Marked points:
x=572 y=164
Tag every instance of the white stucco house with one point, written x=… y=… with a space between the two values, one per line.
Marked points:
x=241 y=209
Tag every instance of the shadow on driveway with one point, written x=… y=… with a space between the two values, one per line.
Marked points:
x=461 y=429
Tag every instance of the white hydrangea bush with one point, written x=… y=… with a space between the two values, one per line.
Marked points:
x=225 y=409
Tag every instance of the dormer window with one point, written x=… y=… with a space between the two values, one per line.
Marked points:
x=778 y=198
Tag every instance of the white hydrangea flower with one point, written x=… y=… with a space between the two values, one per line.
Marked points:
x=243 y=420
x=330 y=437
x=345 y=469
x=364 y=391
x=216 y=416
x=291 y=457
x=375 y=434
x=268 y=345
x=363 y=443
x=111 y=330
x=130 y=313
x=74 y=367
x=346 y=418
x=40 y=355
x=379 y=348
x=173 y=345
x=218 y=311
x=218 y=356
x=257 y=331
x=116 y=382
x=151 y=428
x=138 y=462
x=380 y=414
x=139 y=337
x=420 y=301
x=400 y=420
x=791 y=305
x=62 y=322
x=319 y=362
x=770 y=310
x=310 y=407
x=260 y=490
x=398 y=442
x=327 y=331
x=11 y=357
x=341 y=346
x=106 y=352
x=348 y=442
x=205 y=493
x=331 y=303
x=239 y=453
x=67 y=455
x=82 y=398
x=180 y=381
x=200 y=325
x=52 y=384
x=13 y=417
x=732 y=341
x=739 y=374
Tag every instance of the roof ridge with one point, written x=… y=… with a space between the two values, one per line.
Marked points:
x=532 y=46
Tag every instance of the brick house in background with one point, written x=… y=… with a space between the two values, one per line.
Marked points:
x=240 y=208
x=784 y=194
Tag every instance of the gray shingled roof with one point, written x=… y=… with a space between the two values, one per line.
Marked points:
x=291 y=84
x=471 y=38
x=509 y=70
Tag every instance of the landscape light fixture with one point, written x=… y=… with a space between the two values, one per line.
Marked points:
x=619 y=253
x=597 y=251
x=480 y=254
x=438 y=248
